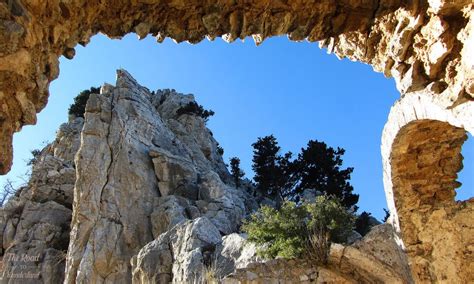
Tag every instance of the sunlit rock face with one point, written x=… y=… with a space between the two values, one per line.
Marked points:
x=162 y=169
x=142 y=169
x=374 y=259
x=34 y=224
x=422 y=44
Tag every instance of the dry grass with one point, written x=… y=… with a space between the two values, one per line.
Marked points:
x=318 y=246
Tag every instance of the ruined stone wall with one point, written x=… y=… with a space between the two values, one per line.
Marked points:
x=421 y=148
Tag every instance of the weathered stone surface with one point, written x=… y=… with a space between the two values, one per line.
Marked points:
x=393 y=36
x=232 y=253
x=375 y=259
x=381 y=243
x=175 y=174
x=35 y=222
x=161 y=170
x=170 y=211
x=177 y=255
x=421 y=147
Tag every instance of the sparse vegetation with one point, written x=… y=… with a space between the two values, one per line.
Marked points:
x=317 y=247
x=8 y=190
x=220 y=150
x=35 y=153
x=211 y=273
x=328 y=215
x=387 y=215
x=292 y=229
x=193 y=108
x=279 y=232
x=78 y=108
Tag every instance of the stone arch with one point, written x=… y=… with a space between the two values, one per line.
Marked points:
x=419 y=43
x=421 y=150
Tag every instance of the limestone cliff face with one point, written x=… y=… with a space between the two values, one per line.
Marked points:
x=35 y=222
x=141 y=169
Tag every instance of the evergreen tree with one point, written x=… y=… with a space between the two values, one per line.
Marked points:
x=78 y=108
x=363 y=224
x=193 y=108
x=236 y=171
x=319 y=167
x=270 y=168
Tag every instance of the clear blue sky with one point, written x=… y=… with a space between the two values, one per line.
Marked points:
x=292 y=90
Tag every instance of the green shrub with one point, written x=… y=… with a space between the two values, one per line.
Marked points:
x=328 y=215
x=294 y=229
x=78 y=108
x=279 y=232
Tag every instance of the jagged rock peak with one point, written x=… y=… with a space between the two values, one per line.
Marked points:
x=124 y=79
x=155 y=165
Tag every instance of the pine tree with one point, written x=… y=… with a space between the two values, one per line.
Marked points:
x=269 y=175
x=363 y=224
x=193 y=108
x=319 y=167
x=236 y=171
x=78 y=108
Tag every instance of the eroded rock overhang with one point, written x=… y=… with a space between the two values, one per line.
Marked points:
x=422 y=44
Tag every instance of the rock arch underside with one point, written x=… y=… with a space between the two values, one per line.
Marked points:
x=426 y=46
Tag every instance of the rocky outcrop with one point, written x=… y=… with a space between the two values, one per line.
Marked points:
x=178 y=255
x=165 y=173
x=234 y=252
x=35 y=222
x=159 y=167
x=375 y=259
